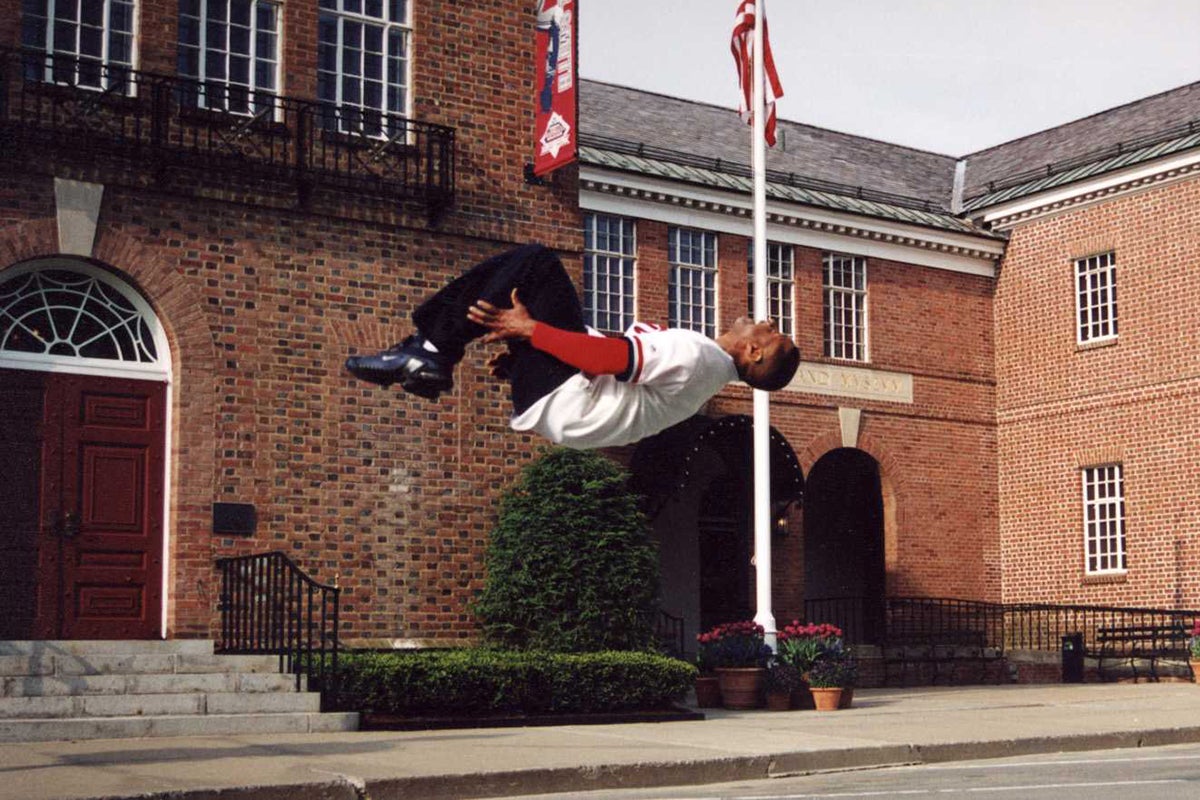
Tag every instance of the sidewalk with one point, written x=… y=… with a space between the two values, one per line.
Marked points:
x=887 y=726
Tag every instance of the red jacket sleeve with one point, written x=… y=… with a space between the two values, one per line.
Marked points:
x=595 y=355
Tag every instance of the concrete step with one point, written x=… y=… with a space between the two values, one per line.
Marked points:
x=153 y=705
x=96 y=647
x=67 y=664
x=42 y=730
x=154 y=683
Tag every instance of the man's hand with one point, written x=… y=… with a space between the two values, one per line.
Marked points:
x=504 y=323
x=501 y=365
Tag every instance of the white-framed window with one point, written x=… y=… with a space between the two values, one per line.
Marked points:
x=692 y=289
x=363 y=65
x=845 y=284
x=91 y=41
x=231 y=48
x=780 y=282
x=1096 y=297
x=609 y=250
x=1104 y=519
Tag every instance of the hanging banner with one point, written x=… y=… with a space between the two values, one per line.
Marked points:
x=554 y=128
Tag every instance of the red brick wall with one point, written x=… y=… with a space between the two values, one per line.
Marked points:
x=263 y=300
x=937 y=456
x=1061 y=407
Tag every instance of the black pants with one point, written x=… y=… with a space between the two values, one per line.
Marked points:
x=542 y=285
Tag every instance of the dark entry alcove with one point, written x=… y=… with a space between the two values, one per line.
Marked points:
x=843 y=536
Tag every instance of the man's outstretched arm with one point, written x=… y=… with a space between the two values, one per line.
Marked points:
x=594 y=355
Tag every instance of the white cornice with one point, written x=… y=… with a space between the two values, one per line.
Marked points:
x=642 y=197
x=1068 y=198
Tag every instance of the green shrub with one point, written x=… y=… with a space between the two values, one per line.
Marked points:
x=482 y=682
x=571 y=566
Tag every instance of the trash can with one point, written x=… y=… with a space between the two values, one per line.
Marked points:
x=1072 y=658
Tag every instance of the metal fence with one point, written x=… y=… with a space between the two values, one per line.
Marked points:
x=269 y=606
x=91 y=109
x=1117 y=630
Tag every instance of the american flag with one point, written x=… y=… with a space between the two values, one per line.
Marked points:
x=742 y=46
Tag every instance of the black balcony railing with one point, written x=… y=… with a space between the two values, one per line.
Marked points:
x=89 y=109
x=269 y=606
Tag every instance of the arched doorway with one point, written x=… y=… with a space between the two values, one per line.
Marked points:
x=697 y=477
x=84 y=371
x=844 y=571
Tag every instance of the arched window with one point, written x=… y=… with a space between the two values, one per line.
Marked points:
x=76 y=315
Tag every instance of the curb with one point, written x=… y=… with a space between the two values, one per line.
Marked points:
x=675 y=773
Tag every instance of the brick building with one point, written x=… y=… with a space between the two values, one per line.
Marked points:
x=200 y=220
x=241 y=195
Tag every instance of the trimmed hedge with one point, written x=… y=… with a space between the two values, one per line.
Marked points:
x=482 y=682
x=571 y=565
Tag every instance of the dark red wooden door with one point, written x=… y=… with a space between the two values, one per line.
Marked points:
x=21 y=401
x=100 y=529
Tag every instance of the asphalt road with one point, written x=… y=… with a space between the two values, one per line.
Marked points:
x=1160 y=773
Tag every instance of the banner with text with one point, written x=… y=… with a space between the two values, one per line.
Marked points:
x=554 y=142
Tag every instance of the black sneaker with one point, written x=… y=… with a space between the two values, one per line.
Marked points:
x=420 y=371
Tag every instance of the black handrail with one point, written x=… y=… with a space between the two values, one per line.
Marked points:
x=1003 y=626
x=92 y=109
x=269 y=606
x=668 y=628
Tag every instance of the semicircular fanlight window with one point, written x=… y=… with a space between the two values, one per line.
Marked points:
x=63 y=313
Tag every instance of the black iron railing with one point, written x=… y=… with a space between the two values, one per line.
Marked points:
x=1003 y=626
x=669 y=631
x=269 y=606
x=87 y=108
x=1039 y=626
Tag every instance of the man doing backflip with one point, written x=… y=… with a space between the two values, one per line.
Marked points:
x=572 y=386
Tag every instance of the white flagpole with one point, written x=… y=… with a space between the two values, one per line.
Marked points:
x=762 y=411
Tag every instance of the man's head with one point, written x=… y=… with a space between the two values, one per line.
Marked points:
x=765 y=358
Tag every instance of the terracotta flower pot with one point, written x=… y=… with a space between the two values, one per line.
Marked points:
x=826 y=699
x=779 y=701
x=742 y=687
x=1195 y=665
x=708 y=691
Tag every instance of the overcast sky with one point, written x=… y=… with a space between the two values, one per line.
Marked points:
x=951 y=76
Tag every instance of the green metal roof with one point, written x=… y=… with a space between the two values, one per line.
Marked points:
x=1088 y=170
x=786 y=192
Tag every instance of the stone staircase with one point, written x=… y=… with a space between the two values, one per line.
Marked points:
x=120 y=689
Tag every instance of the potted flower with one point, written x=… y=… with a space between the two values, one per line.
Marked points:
x=782 y=680
x=825 y=680
x=708 y=689
x=801 y=645
x=739 y=653
x=849 y=667
x=1194 y=651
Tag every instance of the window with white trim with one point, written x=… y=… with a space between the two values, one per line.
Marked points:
x=608 y=254
x=692 y=289
x=780 y=272
x=91 y=41
x=845 y=288
x=363 y=57
x=231 y=49
x=1104 y=519
x=1096 y=297
x=63 y=312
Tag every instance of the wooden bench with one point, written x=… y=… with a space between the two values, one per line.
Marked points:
x=1142 y=644
x=943 y=652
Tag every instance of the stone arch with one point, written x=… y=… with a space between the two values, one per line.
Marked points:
x=180 y=309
